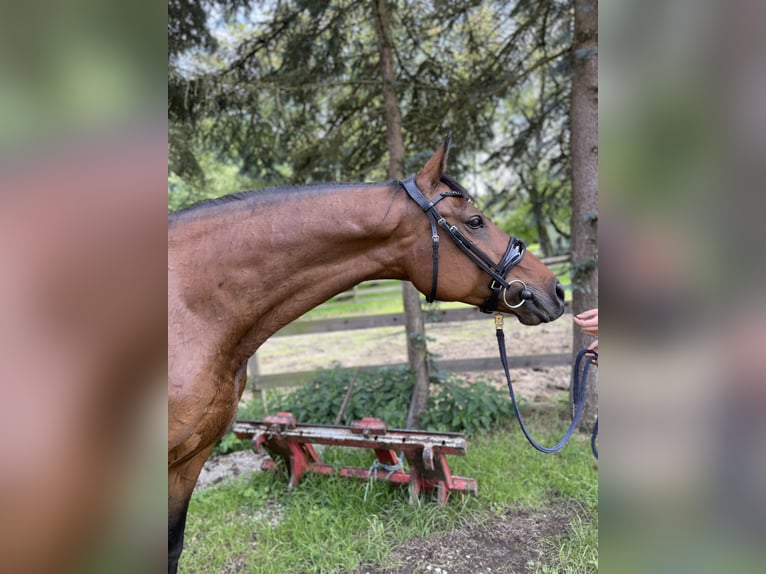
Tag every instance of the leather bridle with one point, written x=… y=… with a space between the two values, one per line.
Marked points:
x=514 y=253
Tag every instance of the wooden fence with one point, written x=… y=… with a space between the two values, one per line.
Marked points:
x=260 y=382
x=386 y=288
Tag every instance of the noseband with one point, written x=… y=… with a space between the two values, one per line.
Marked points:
x=514 y=253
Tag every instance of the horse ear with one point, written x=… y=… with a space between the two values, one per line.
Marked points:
x=428 y=178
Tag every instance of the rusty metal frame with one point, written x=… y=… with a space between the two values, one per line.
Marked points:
x=290 y=444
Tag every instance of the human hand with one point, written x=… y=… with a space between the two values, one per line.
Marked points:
x=588 y=322
x=594 y=347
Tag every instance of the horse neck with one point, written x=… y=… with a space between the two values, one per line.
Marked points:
x=251 y=268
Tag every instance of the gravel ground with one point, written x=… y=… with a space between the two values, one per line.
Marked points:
x=513 y=542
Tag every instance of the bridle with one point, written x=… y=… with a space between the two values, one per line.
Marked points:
x=514 y=253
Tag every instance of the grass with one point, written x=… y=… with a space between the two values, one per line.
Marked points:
x=366 y=303
x=371 y=303
x=326 y=525
x=576 y=553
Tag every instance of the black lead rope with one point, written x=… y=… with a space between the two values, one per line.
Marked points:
x=578 y=393
x=593 y=437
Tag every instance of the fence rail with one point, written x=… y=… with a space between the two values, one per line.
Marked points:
x=260 y=382
x=299 y=378
x=369 y=288
x=376 y=321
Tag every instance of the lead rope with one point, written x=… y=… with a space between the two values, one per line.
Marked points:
x=578 y=393
x=372 y=472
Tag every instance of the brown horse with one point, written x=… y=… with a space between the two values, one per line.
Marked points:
x=243 y=266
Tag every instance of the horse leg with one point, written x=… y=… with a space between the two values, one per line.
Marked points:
x=176 y=524
x=181 y=481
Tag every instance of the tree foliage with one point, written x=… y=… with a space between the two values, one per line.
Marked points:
x=290 y=92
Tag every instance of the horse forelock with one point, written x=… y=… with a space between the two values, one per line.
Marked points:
x=452 y=183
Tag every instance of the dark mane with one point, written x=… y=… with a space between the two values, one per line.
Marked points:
x=216 y=201
x=254 y=197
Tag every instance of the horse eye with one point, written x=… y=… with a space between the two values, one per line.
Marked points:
x=475 y=222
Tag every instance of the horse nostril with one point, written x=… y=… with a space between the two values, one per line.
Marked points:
x=560 y=291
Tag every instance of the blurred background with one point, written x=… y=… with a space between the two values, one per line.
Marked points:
x=83 y=168
x=682 y=371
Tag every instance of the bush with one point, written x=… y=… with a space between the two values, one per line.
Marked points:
x=454 y=405
x=469 y=408
x=384 y=393
x=230 y=443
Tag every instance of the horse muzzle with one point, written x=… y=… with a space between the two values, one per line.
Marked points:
x=531 y=306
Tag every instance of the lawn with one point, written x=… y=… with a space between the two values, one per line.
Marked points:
x=541 y=512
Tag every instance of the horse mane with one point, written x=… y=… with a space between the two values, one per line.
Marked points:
x=215 y=201
x=256 y=196
x=270 y=193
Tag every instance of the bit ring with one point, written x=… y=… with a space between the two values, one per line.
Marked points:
x=520 y=303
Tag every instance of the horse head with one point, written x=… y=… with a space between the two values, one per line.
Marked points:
x=465 y=257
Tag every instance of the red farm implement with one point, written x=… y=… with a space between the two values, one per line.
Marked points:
x=291 y=443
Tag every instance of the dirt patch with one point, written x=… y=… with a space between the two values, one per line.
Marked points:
x=227 y=467
x=512 y=543
x=515 y=542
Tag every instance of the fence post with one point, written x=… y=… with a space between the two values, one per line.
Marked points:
x=253 y=371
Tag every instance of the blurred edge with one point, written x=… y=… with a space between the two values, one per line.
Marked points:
x=682 y=367
x=83 y=182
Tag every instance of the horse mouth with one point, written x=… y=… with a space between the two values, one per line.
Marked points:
x=532 y=319
x=533 y=312
x=536 y=306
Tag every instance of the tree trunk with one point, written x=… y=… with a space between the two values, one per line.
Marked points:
x=543 y=237
x=536 y=197
x=416 y=341
x=584 y=152
x=416 y=353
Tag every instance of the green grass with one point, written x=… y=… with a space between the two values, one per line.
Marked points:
x=575 y=554
x=366 y=303
x=371 y=303
x=326 y=525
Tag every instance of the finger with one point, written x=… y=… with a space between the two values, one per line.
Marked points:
x=586 y=322
x=588 y=314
